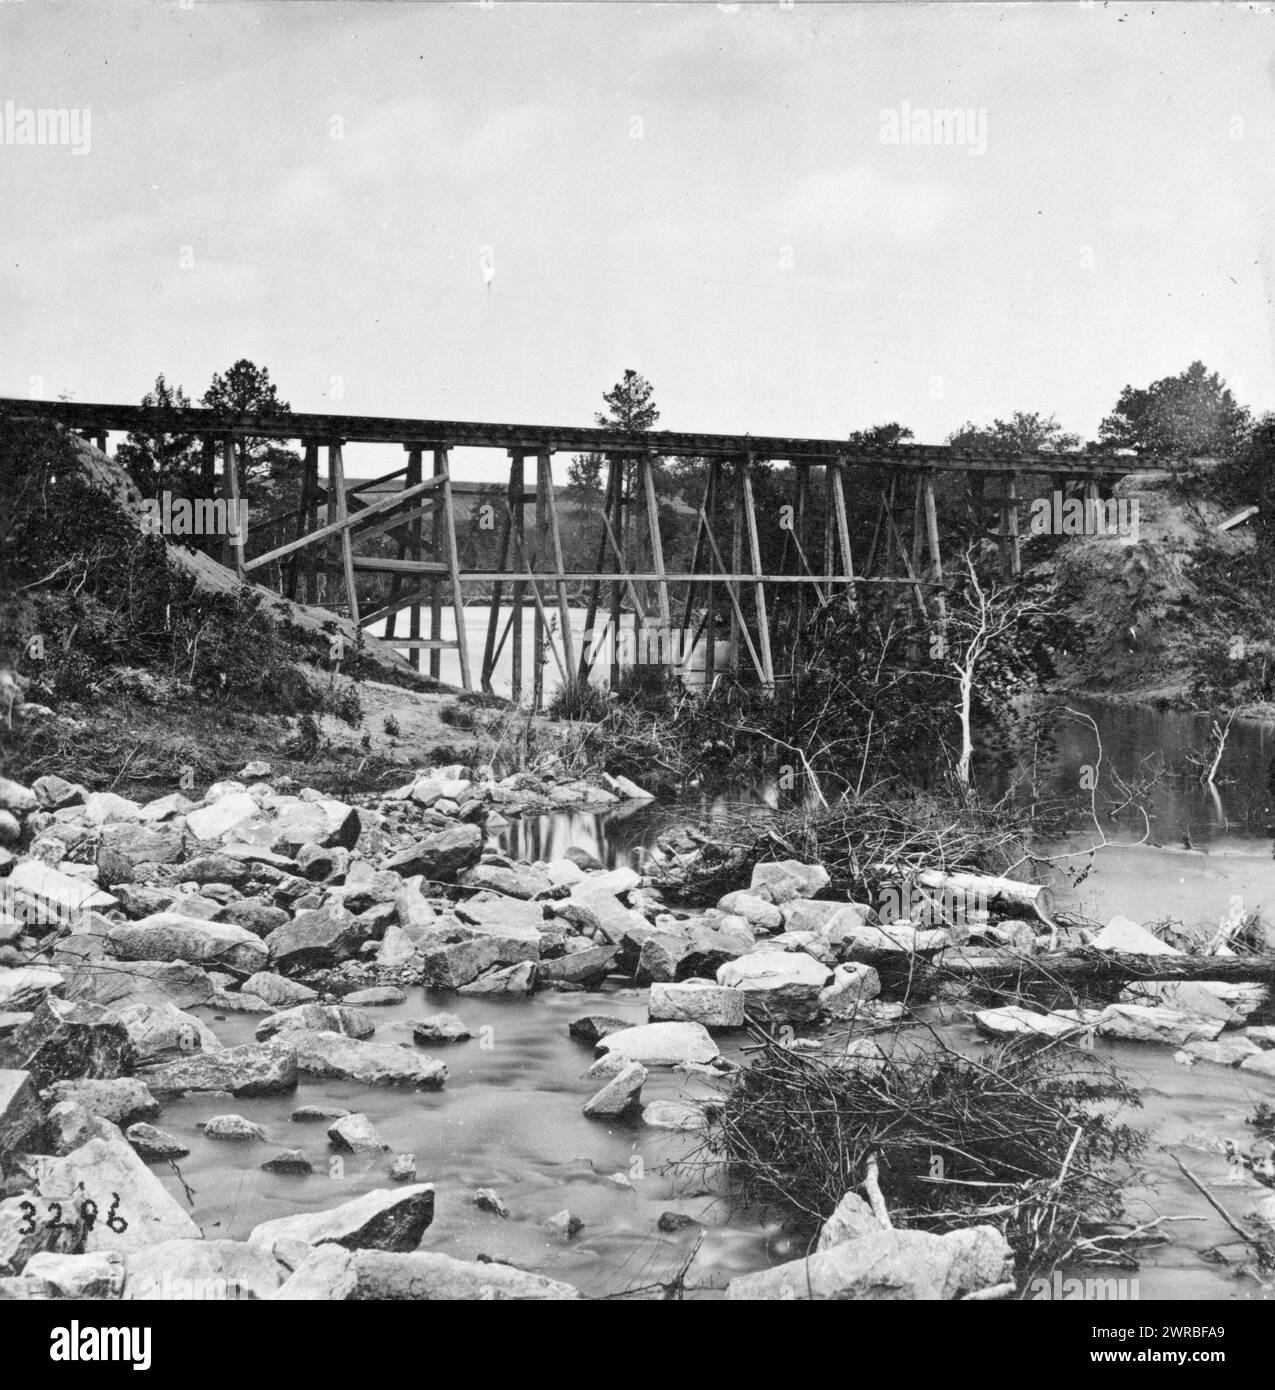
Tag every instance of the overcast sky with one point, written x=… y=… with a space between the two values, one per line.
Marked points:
x=700 y=192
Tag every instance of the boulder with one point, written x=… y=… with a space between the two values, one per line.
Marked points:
x=509 y=980
x=851 y=1218
x=661 y=1044
x=357 y=1135
x=440 y=1028
x=1225 y=1052
x=851 y=986
x=169 y=937
x=378 y=1220
x=459 y=963
x=21 y=1113
x=320 y=1018
x=660 y=956
x=121 y=1099
x=785 y=985
x=888 y=1265
x=513 y=880
x=132 y=982
x=323 y=937
x=1260 y=1064
x=1138 y=1023
x=254 y=915
x=211 y=823
x=277 y=990
x=1120 y=934
x=440 y=857
x=23 y=988
x=235 y=1128
x=803 y=914
x=786 y=879
x=96 y=1276
x=102 y=1168
x=102 y=808
x=68 y=1037
x=622 y=1094
x=372 y=1064
x=20 y=1238
x=587 y=968
x=268 y=1070
x=713 y=1006
x=591 y=1027
x=207 y=1270
x=54 y=793
x=334 y=1275
x=142 y=844
x=1016 y=1021
x=291 y=1161
x=760 y=914
x=152 y=1143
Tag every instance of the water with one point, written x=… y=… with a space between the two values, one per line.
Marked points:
x=510 y=1115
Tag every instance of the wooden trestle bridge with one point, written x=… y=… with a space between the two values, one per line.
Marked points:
x=726 y=579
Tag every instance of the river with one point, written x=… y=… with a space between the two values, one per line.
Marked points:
x=510 y=1116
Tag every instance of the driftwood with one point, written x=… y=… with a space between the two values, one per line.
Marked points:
x=985 y=888
x=1088 y=966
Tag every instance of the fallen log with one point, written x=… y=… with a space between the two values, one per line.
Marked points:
x=988 y=890
x=1088 y=966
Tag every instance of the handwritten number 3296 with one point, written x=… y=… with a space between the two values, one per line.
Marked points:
x=88 y=1214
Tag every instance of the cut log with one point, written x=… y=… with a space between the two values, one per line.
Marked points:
x=1093 y=967
x=992 y=891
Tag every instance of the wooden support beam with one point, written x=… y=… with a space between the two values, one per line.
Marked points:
x=842 y=521
x=739 y=624
x=759 y=588
x=544 y=481
x=336 y=475
x=516 y=515
x=394 y=604
x=588 y=646
x=230 y=490
x=441 y=469
x=932 y=536
x=376 y=564
x=437 y=542
x=1011 y=526
x=654 y=539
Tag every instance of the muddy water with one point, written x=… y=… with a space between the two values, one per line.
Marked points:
x=510 y=1115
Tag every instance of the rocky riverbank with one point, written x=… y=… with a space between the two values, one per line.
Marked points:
x=126 y=925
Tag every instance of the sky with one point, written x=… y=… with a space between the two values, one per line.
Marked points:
x=488 y=211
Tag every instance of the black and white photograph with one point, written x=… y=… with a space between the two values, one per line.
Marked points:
x=637 y=664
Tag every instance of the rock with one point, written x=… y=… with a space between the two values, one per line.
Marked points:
x=332 y=1275
x=102 y=1168
x=152 y=1143
x=786 y=879
x=440 y=857
x=254 y=915
x=620 y=1095
x=207 y=1270
x=671 y=1222
x=1186 y=996
x=107 y=981
x=17 y=798
x=121 y=1099
x=711 y=942
x=591 y=1027
x=54 y=793
x=68 y=1125
x=1225 y=1052
x=851 y=986
x=324 y=937
x=291 y=1161
x=760 y=914
x=21 y=1113
x=268 y=1070
x=1138 y=1023
x=142 y=844
x=310 y=1113
x=397 y=949
x=1014 y=1020
x=587 y=968
x=403 y=1169
x=659 y=956
x=96 y=1276
x=509 y=980
x=11 y=1022
x=372 y=1064
x=894 y=1265
x=1262 y=1035
x=597 y=912
x=851 y=1219
x=661 y=1044
x=582 y=859
x=710 y=1005
x=1120 y=934
x=70 y=1038
x=233 y=1127
x=378 y=1220
x=277 y=990
x=679 y=1115
x=513 y=880
x=376 y=997
x=357 y=1135
x=23 y=988
x=1260 y=1063
x=460 y=963
x=224 y=815
x=440 y=1028
x=20 y=1238
x=507 y=919
x=319 y=1018
x=166 y=807
x=485 y=1199
x=61 y=897
x=785 y=985
x=159 y=1030
x=870 y=944
x=564 y=1224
